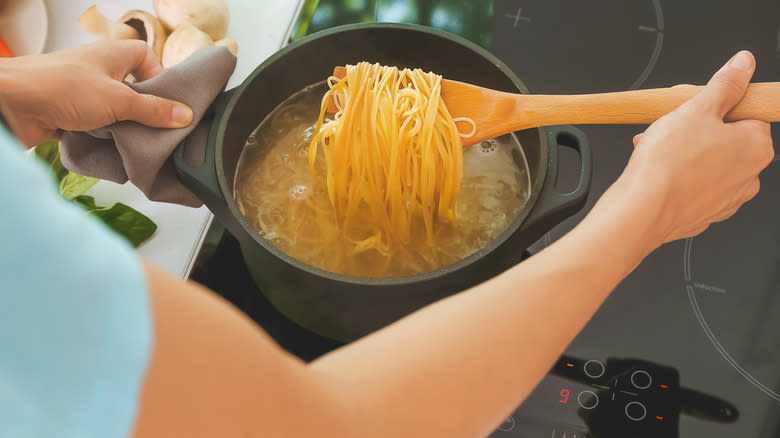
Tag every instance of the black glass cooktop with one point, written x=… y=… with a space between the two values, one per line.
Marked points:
x=689 y=344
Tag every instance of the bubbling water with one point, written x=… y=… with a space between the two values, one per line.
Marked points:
x=299 y=192
x=289 y=205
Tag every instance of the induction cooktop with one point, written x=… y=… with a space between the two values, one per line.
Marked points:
x=689 y=344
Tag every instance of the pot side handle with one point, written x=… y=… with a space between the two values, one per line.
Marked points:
x=553 y=207
x=195 y=163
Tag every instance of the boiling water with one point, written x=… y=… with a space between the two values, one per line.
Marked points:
x=289 y=206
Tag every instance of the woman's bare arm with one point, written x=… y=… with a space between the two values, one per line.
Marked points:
x=455 y=368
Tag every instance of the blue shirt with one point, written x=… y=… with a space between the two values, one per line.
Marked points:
x=75 y=322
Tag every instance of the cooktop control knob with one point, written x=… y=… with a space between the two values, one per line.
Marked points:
x=641 y=379
x=588 y=399
x=594 y=369
x=508 y=424
x=636 y=411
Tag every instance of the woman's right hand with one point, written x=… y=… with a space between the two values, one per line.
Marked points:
x=695 y=168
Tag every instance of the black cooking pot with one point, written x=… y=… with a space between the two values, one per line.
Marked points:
x=344 y=307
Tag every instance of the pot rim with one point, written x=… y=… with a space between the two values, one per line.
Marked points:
x=227 y=190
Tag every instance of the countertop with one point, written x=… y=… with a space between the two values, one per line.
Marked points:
x=259 y=27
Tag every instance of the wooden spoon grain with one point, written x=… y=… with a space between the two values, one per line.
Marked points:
x=497 y=113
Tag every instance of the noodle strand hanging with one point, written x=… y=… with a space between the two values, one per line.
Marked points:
x=392 y=148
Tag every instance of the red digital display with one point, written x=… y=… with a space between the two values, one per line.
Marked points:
x=564 y=396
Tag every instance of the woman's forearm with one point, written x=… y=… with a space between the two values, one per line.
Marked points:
x=454 y=368
x=472 y=358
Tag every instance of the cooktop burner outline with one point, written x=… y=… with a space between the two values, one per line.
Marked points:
x=778 y=42
x=523 y=21
x=547 y=239
x=691 y=286
x=659 y=43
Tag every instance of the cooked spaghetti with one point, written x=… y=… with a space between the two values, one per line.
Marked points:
x=392 y=148
x=290 y=205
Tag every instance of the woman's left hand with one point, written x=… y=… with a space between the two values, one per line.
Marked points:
x=82 y=88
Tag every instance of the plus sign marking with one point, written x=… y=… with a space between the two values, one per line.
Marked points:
x=518 y=17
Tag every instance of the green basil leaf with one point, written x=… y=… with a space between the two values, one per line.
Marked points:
x=74 y=185
x=87 y=202
x=49 y=152
x=123 y=219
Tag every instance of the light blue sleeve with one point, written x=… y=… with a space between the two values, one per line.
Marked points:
x=75 y=322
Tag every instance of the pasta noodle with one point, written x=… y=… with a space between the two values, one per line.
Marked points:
x=392 y=148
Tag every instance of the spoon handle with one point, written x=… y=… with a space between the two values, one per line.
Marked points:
x=761 y=102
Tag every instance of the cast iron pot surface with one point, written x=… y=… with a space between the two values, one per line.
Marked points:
x=344 y=307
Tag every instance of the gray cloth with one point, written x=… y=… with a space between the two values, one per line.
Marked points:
x=131 y=151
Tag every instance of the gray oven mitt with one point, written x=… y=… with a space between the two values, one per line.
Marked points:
x=131 y=151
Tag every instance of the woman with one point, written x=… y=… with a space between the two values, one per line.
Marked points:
x=93 y=342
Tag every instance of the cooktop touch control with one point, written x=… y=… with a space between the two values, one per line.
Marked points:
x=617 y=398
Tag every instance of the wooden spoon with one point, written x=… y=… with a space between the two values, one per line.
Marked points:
x=497 y=113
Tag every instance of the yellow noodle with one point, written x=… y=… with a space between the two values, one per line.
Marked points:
x=393 y=149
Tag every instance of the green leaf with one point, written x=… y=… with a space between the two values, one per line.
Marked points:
x=123 y=219
x=87 y=202
x=74 y=185
x=49 y=152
